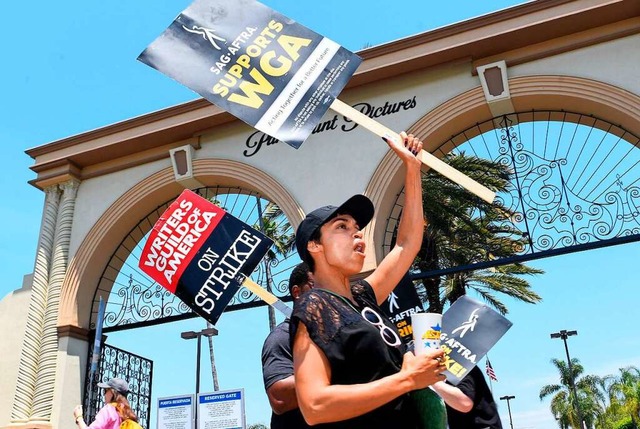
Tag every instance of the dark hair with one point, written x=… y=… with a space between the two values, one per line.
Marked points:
x=299 y=276
x=314 y=237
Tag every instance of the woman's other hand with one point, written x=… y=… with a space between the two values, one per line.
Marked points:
x=425 y=369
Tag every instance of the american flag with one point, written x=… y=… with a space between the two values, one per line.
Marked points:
x=490 y=372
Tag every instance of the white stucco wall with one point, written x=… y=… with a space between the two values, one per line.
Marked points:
x=96 y=195
x=70 y=373
x=615 y=62
x=13 y=320
x=335 y=164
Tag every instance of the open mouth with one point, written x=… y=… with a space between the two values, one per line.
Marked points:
x=359 y=248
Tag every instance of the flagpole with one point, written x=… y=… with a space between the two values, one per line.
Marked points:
x=488 y=364
x=95 y=357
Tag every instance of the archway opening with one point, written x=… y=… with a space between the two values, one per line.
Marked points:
x=574 y=183
x=134 y=301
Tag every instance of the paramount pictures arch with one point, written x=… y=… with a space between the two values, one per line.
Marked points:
x=506 y=86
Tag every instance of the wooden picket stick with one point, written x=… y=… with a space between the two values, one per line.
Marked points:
x=426 y=158
x=267 y=297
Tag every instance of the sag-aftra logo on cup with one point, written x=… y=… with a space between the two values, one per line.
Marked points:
x=431 y=337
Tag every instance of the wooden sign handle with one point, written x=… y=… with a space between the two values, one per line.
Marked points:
x=267 y=297
x=426 y=158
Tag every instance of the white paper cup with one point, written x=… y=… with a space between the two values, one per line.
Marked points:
x=426 y=331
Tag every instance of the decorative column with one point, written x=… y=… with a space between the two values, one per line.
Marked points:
x=43 y=395
x=28 y=369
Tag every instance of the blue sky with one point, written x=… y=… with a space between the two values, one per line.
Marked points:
x=70 y=67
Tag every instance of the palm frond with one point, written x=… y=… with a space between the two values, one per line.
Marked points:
x=463 y=230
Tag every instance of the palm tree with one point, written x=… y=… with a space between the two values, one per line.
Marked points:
x=274 y=224
x=214 y=371
x=502 y=279
x=561 y=408
x=624 y=395
x=462 y=229
x=564 y=405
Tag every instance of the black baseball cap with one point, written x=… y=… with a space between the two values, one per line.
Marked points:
x=358 y=206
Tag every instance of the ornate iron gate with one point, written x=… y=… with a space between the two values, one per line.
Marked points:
x=575 y=184
x=117 y=363
x=134 y=300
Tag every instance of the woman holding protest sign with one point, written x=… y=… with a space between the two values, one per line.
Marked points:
x=349 y=362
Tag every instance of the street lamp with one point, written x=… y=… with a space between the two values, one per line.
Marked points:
x=564 y=334
x=508 y=398
x=190 y=335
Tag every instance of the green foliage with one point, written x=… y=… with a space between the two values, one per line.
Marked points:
x=462 y=229
x=275 y=225
x=563 y=404
x=623 y=393
x=625 y=423
x=609 y=402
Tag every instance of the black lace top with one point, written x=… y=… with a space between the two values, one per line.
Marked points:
x=360 y=344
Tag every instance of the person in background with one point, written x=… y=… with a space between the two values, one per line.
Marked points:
x=277 y=362
x=350 y=366
x=115 y=411
x=470 y=404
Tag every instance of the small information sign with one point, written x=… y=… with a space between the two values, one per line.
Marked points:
x=175 y=412
x=221 y=410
